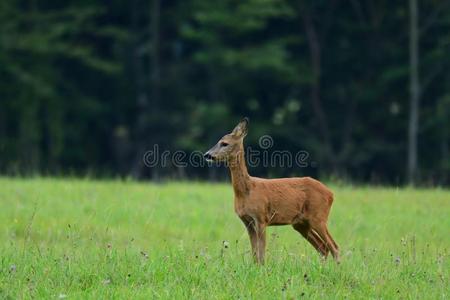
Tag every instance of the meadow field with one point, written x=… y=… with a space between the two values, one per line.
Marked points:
x=85 y=239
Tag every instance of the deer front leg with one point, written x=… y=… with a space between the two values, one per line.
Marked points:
x=260 y=242
x=257 y=235
x=253 y=239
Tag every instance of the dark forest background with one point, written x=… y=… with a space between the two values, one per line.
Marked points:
x=86 y=87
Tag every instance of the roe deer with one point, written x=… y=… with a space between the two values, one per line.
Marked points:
x=302 y=202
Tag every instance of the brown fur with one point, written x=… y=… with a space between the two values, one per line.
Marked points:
x=302 y=202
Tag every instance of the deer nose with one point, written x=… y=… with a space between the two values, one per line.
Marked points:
x=207 y=156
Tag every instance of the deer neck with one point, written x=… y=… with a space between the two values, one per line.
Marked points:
x=239 y=175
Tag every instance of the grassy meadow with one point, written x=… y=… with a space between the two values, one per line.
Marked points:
x=84 y=239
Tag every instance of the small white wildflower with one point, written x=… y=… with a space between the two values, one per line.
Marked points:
x=226 y=244
x=12 y=269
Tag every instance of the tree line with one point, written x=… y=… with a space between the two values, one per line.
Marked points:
x=88 y=87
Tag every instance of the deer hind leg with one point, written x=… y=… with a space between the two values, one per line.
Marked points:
x=312 y=237
x=331 y=238
x=322 y=231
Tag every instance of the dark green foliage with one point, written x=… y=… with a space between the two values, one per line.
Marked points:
x=89 y=86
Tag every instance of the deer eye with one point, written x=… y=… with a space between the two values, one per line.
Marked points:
x=223 y=144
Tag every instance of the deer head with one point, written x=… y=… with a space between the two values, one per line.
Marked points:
x=229 y=146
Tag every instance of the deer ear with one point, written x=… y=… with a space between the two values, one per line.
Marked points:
x=241 y=129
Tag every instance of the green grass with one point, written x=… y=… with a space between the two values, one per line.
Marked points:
x=98 y=240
